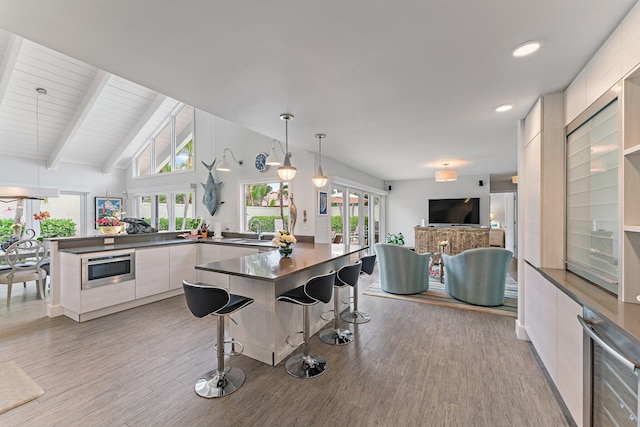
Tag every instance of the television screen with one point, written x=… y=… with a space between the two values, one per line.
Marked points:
x=454 y=211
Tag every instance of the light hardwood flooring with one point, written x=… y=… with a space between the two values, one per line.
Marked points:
x=412 y=365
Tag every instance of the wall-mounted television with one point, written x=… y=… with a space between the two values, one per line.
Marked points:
x=455 y=211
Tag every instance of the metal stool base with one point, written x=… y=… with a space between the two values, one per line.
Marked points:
x=355 y=317
x=216 y=384
x=336 y=336
x=301 y=366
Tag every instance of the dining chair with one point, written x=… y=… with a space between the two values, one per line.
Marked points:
x=24 y=258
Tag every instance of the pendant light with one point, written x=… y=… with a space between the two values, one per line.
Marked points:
x=7 y=193
x=446 y=174
x=286 y=172
x=319 y=180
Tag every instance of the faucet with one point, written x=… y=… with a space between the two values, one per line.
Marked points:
x=259 y=227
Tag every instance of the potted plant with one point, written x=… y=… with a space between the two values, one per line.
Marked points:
x=109 y=225
x=395 y=239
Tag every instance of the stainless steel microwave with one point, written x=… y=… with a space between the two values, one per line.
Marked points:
x=107 y=268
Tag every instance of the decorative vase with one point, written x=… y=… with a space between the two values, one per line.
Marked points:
x=107 y=229
x=285 y=251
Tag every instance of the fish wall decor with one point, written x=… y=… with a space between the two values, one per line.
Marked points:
x=211 y=198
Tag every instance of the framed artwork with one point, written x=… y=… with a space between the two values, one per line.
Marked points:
x=106 y=207
x=323 y=203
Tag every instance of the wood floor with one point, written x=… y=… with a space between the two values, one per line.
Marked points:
x=412 y=365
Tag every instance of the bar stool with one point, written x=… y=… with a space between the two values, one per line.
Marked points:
x=204 y=300
x=317 y=289
x=355 y=316
x=347 y=276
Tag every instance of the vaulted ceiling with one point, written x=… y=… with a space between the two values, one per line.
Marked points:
x=87 y=116
x=398 y=87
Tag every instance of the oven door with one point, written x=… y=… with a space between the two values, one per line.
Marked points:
x=611 y=374
x=99 y=269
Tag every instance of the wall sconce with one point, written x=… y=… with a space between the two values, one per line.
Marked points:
x=273 y=159
x=286 y=172
x=319 y=180
x=514 y=179
x=446 y=174
x=224 y=166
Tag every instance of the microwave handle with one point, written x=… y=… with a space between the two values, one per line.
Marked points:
x=600 y=340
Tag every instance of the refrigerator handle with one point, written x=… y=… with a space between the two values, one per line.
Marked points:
x=588 y=328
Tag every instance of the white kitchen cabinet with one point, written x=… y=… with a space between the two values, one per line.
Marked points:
x=182 y=261
x=152 y=271
x=552 y=326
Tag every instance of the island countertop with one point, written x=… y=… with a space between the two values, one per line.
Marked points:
x=270 y=266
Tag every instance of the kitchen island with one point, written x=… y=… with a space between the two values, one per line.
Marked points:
x=262 y=326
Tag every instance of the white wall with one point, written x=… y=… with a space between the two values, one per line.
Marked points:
x=408 y=201
x=17 y=171
x=213 y=135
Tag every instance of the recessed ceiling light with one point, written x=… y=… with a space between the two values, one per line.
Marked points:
x=503 y=108
x=526 y=48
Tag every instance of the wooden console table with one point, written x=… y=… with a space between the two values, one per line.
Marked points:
x=460 y=239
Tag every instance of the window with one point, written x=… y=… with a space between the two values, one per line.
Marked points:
x=168 y=211
x=592 y=199
x=268 y=203
x=170 y=148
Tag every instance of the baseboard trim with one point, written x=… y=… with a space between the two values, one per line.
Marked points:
x=55 y=310
x=521 y=332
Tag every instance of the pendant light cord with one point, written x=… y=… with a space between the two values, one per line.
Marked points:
x=38 y=133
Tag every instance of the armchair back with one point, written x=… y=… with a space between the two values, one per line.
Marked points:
x=402 y=271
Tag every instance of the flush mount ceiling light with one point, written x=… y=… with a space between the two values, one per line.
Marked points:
x=446 y=174
x=224 y=166
x=319 y=180
x=286 y=172
x=504 y=107
x=526 y=48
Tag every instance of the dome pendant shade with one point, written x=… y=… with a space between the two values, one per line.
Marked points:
x=286 y=172
x=319 y=180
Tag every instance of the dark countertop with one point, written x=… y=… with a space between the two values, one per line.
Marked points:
x=624 y=315
x=269 y=266
x=155 y=243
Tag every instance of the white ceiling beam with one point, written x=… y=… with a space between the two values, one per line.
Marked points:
x=88 y=101
x=118 y=153
x=9 y=63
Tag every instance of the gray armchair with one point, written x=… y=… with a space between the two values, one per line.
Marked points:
x=402 y=271
x=477 y=276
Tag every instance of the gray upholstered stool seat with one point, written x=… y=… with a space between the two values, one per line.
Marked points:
x=346 y=276
x=205 y=300
x=356 y=316
x=317 y=289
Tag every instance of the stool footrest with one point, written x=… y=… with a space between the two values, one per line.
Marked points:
x=233 y=343
x=294 y=345
x=327 y=319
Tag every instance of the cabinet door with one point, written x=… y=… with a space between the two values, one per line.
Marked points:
x=152 y=271
x=569 y=375
x=541 y=314
x=182 y=261
x=106 y=296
